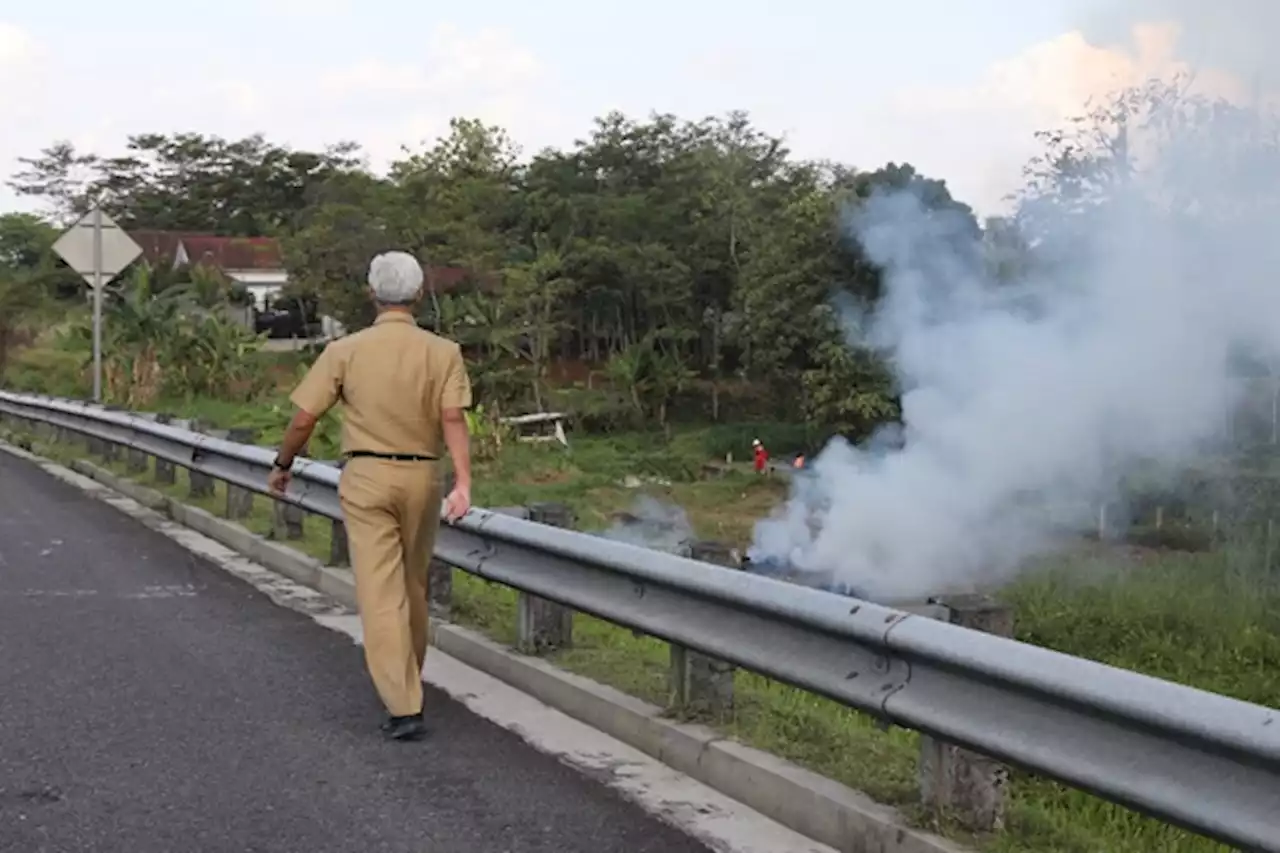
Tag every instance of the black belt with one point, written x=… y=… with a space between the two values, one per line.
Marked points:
x=394 y=457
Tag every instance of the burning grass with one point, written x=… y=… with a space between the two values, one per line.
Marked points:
x=1211 y=620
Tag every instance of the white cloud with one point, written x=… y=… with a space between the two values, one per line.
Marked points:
x=20 y=57
x=1054 y=79
x=383 y=105
x=17 y=46
x=454 y=64
x=980 y=134
x=240 y=96
x=308 y=8
x=487 y=75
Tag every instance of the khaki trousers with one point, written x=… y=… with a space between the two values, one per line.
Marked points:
x=392 y=512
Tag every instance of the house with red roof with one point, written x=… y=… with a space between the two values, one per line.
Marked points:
x=255 y=263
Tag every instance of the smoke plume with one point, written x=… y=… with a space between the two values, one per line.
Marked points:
x=651 y=523
x=1026 y=398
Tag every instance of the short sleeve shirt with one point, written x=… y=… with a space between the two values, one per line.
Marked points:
x=394 y=381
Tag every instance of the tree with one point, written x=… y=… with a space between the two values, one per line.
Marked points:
x=61 y=177
x=847 y=389
x=30 y=276
x=17 y=300
x=185 y=182
x=456 y=201
x=673 y=262
x=534 y=293
x=26 y=251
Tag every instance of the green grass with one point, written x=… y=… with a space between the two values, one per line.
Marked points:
x=1210 y=620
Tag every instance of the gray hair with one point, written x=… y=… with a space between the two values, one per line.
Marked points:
x=395 y=278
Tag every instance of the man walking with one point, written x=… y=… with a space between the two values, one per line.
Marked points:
x=403 y=390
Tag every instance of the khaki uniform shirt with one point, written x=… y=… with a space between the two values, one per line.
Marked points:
x=394 y=380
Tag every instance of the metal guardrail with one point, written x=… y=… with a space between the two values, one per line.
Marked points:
x=1188 y=757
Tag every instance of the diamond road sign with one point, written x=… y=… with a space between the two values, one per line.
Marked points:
x=76 y=248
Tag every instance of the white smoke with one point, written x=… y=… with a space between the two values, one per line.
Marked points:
x=1025 y=401
x=654 y=524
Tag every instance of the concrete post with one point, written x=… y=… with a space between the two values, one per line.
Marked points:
x=954 y=782
x=701 y=686
x=240 y=500
x=136 y=461
x=544 y=626
x=202 y=485
x=110 y=451
x=92 y=446
x=166 y=473
x=287 y=521
x=339 y=547
x=440 y=589
x=439 y=573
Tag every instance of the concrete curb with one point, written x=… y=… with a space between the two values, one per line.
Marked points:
x=806 y=802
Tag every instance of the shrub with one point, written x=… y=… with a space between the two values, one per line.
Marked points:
x=1172 y=537
x=779 y=438
x=47 y=371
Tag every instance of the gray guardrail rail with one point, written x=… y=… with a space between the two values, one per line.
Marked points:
x=1188 y=757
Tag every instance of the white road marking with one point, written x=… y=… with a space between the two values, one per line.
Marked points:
x=720 y=822
x=183 y=591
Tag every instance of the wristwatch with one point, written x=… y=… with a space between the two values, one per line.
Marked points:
x=280 y=466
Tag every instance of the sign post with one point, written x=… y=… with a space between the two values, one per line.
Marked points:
x=98 y=249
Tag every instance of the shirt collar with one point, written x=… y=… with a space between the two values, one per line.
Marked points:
x=394 y=317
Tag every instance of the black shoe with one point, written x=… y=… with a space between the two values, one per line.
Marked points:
x=411 y=727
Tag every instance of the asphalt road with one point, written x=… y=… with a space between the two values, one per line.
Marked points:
x=152 y=703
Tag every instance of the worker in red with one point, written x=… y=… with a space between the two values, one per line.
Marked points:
x=761 y=456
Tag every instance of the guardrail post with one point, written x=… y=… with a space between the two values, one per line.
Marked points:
x=955 y=782
x=201 y=485
x=110 y=450
x=166 y=473
x=544 y=626
x=287 y=521
x=240 y=500
x=702 y=686
x=440 y=574
x=136 y=460
x=440 y=589
x=339 y=545
x=92 y=445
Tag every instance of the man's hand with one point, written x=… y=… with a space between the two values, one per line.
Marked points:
x=278 y=480
x=458 y=503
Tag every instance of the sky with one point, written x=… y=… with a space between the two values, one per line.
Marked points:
x=956 y=88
